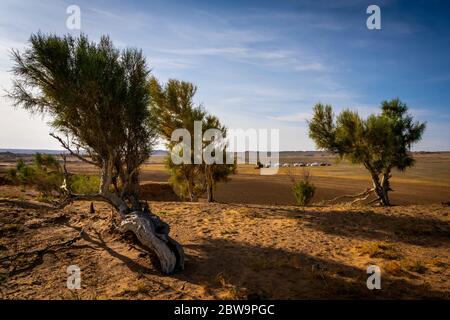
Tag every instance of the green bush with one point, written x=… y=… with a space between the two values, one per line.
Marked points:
x=44 y=174
x=304 y=190
x=84 y=184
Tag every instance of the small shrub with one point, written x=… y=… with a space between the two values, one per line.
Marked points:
x=415 y=266
x=304 y=190
x=380 y=250
x=406 y=267
x=84 y=183
x=44 y=174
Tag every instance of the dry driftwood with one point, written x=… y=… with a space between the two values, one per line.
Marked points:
x=150 y=230
x=154 y=234
x=359 y=197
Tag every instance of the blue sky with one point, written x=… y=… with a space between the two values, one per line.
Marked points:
x=260 y=64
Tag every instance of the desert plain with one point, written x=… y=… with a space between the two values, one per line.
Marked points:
x=252 y=243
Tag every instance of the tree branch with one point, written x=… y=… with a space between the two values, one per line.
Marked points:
x=66 y=146
x=362 y=194
x=361 y=199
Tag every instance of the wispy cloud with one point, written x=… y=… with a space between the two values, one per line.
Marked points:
x=296 y=117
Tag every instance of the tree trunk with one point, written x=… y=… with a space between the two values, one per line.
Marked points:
x=386 y=187
x=190 y=189
x=153 y=233
x=210 y=193
x=209 y=183
x=381 y=191
x=150 y=230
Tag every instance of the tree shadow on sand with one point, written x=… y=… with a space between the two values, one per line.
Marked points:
x=251 y=272
x=420 y=231
x=97 y=241
x=370 y=225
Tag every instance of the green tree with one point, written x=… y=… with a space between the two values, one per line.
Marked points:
x=381 y=142
x=98 y=98
x=173 y=108
x=216 y=172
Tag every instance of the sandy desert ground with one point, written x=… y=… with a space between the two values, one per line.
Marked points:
x=253 y=244
x=233 y=252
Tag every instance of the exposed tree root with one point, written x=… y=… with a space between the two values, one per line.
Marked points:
x=153 y=234
x=26 y=204
x=359 y=197
x=362 y=198
x=150 y=230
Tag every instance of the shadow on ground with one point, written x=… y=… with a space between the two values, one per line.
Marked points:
x=248 y=271
x=370 y=225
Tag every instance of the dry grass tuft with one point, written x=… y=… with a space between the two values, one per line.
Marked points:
x=377 y=249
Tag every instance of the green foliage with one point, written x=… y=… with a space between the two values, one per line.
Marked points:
x=380 y=142
x=304 y=190
x=173 y=108
x=185 y=179
x=44 y=174
x=84 y=184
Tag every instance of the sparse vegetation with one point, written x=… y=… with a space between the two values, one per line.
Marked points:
x=84 y=184
x=44 y=174
x=380 y=250
x=303 y=189
x=107 y=110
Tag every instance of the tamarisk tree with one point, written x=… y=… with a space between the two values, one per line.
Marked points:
x=97 y=97
x=381 y=142
x=173 y=108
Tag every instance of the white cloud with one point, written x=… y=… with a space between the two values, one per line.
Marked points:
x=296 y=117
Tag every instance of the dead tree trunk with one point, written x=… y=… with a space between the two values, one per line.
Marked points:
x=154 y=234
x=149 y=229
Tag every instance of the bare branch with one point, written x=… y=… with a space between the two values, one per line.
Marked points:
x=75 y=154
x=362 y=198
x=362 y=194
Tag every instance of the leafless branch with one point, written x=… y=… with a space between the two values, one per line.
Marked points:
x=365 y=194
x=75 y=154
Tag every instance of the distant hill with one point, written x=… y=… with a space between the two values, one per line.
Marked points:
x=48 y=151
x=159 y=153
x=30 y=151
